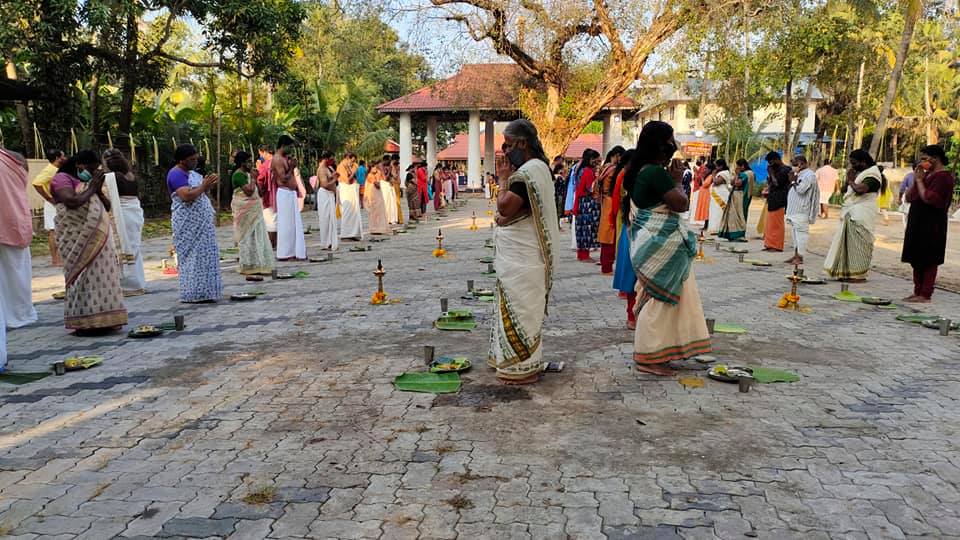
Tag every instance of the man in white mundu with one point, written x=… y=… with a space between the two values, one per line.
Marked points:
x=348 y=193
x=16 y=231
x=389 y=198
x=290 y=241
x=327 y=203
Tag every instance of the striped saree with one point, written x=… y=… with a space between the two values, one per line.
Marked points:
x=670 y=322
x=851 y=251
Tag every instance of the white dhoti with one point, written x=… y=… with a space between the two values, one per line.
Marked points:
x=15 y=294
x=448 y=190
x=290 y=241
x=132 y=279
x=270 y=219
x=390 y=200
x=49 y=214
x=718 y=200
x=800 y=227
x=327 y=216
x=350 y=224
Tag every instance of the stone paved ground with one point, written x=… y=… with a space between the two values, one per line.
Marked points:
x=278 y=418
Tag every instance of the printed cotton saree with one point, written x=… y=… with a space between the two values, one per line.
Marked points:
x=91 y=270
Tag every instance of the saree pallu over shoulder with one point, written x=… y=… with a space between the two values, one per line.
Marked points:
x=526 y=257
x=86 y=231
x=91 y=269
x=662 y=250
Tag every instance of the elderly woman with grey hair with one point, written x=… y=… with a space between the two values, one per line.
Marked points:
x=128 y=217
x=527 y=243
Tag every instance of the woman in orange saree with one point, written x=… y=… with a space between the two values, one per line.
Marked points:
x=702 y=213
x=603 y=191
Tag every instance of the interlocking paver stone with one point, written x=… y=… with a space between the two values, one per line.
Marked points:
x=279 y=418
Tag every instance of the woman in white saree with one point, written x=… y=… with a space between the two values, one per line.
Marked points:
x=527 y=240
x=128 y=219
x=851 y=251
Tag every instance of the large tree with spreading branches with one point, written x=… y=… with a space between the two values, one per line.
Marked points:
x=585 y=53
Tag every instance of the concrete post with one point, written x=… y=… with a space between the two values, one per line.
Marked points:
x=431 y=146
x=474 y=178
x=406 y=141
x=489 y=151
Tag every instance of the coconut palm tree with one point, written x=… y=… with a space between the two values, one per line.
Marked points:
x=912 y=10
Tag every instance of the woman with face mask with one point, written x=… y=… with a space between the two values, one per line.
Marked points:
x=527 y=245
x=94 y=300
x=925 y=239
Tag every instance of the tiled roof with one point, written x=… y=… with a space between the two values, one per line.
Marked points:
x=482 y=87
x=457 y=151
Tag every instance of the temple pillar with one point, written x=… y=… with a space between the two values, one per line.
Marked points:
x=474 y=177
x=612 y=131
x=489 y=151
x=406 y=140
x=431 y=147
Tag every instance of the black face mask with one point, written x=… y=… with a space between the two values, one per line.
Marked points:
x=516 y=158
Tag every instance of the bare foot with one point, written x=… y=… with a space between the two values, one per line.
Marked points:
x=656 y=369
x=518 y=382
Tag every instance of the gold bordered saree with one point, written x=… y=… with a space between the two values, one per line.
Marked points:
x=526 y=256
x=91 y=270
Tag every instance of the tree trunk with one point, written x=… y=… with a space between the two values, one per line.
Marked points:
x=858 y=138
x=807 y=99
x=893 y=147
x=703 y=93
x=787 y=117
x=95 y=107
x=128 y=88
x=833 y=146
x=847 y=146
x=930 y=124
x=914 y=9
x=23 y=117
x=747 y=109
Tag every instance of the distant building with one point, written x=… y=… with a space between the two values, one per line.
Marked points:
x=458 y=151
x=676 y=106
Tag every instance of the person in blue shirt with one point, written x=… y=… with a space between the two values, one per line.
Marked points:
x=362 y=178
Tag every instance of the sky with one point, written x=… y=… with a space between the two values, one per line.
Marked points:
x=443 y=43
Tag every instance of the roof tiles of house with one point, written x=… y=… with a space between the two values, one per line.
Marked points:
x=485 y=87
x=457 y=151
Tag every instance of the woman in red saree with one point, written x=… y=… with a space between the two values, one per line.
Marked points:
x=94 y=300
x=585 y=207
